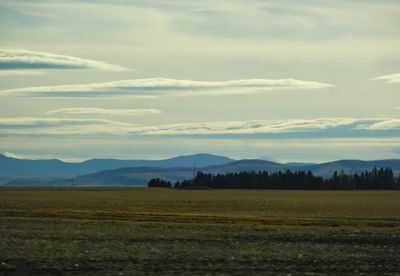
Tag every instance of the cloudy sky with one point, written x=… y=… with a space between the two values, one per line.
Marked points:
x=282 y=80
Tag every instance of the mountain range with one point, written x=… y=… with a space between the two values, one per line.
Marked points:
x=110 y=172
x=55 y=168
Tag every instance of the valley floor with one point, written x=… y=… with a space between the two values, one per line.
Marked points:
x=197 y=232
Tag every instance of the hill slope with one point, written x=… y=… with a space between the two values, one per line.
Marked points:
x=138 y=172
x=56 y=168
x=140 y=176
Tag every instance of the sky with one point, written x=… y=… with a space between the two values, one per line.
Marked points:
x=300 y=80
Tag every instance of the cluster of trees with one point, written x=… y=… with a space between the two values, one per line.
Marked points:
x=253 y=180
x=379 y=179
x=382 y=178
x=157 y=182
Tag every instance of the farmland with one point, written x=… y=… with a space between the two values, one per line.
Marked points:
x=153 y=231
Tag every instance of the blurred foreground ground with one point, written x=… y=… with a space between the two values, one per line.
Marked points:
x=182 y=232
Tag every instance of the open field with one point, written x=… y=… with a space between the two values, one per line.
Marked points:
x=163 y=231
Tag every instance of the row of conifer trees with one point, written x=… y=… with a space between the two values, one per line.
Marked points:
x=379 y=179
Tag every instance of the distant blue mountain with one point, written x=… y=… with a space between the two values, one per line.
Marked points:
x=322 y=169
x=140 y=176
x=246 y=165
x=105 y=172
x=352 y=166
x=56 y=168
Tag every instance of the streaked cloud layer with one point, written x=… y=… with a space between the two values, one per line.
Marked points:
x=289 y=74
x=76 y=111
x=331 y=127
x=247 y=127
x=394 y=78
x=60 y=126
x=164 y=86
x=387 y=124
x=21 y=59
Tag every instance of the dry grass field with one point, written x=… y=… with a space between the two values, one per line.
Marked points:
x=196 y=232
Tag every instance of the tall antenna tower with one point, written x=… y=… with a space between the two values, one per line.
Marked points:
x=194 y=171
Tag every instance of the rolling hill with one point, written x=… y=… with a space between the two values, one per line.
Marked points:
x=140 y=176
x=105 y=172
x=13 y=167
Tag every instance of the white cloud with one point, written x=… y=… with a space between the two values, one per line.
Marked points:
x=39 y=157
x=394 y=78
x=17 y=73
x=60 y=126
x=311 y=128
x=102 y=111
x=21 y=59
x=160 y=86
x=13 y=155
x=49 y=122
x=383 y=125
x=245 y=127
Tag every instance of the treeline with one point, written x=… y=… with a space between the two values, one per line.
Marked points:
x=380 y=179
x=157 y=182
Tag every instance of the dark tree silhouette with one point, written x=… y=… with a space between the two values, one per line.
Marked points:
x=382 y=178
x=157 y=182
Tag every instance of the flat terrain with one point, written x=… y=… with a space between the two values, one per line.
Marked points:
x=196 y=232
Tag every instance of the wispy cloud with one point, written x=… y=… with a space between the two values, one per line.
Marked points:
x=163 y=86
x=383 y=125
x=48 y=122
x=246 y=127
x=59 y=126
x=39 y=157
x=101 y=111
x=394 y=78
x=25 y=60
x=17 y=73
x=13 y=155
x=311 y=128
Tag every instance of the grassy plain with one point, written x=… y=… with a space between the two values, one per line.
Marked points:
x=197 y=232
